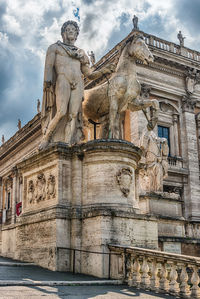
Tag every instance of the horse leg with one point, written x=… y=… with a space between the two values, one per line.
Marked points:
x=121 y=122
x=114 y=118
x=154 y=112
x=145 y=103
x=104 y=131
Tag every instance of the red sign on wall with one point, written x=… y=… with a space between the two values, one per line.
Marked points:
x=18 y=208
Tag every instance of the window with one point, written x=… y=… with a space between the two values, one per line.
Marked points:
x=8 y=202
x=163 y=132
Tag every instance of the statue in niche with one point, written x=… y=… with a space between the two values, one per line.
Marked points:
x=154 y=160
x=63 y=88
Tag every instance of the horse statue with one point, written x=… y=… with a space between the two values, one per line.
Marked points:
x=108 y=102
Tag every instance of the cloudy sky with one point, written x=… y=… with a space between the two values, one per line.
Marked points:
x=28 y=27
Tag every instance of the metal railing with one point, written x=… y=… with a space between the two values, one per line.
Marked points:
x=73 y=257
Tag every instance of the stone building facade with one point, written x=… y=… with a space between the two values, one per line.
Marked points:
x=174 y=214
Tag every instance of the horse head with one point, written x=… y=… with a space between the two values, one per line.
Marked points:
x=139 y=49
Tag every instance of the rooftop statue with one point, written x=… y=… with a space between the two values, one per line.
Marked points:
x=180 y=38
x=63 y=88
x=92 y=57
x=38 y=106
x=19 y=124
x=121 y=91
x=135 y=22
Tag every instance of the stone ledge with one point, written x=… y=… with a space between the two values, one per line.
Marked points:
x=162 y=195
x=60 y=283
x=7 y=264
x=63 y=212
x=179 y=239
x=62 y=150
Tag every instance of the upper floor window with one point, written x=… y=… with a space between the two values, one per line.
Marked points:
x=163 y=132
x=8 y=201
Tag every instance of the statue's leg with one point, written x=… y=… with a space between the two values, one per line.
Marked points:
x=114 y=117
x=62 y=99
x=74 y=106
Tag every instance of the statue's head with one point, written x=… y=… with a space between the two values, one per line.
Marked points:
x=69 y=24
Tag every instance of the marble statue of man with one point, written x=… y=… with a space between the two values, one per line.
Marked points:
x=65 y=67
x=155 y=154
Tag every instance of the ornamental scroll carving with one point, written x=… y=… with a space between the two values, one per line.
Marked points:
x=41 y=189
x=124 y=180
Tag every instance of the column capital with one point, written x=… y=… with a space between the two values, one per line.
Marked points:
x=188 y=103
x=14 y=171
x=175 y=117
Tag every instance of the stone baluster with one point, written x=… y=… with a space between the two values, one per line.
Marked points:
x=136 y=273
x=174 y=285
x=164 y=282
x=195 y=290
x=129 y=267
x=184 y=287
x=154 y=276
x=145 y=279
x=151 y=41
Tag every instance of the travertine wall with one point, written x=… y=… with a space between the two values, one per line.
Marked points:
x=81 y=197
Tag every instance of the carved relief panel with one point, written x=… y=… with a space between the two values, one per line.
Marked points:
x=40 y=188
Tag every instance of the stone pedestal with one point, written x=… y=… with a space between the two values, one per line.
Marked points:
x=80 y=197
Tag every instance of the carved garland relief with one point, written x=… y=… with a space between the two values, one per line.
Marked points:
x=124 y=179
x=41 y=189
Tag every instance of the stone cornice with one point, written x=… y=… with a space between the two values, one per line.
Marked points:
x=20 y=137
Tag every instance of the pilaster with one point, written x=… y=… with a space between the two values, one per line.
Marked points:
x=192 y=189
x=1 y=194
x=176 y=141
x=14 y=194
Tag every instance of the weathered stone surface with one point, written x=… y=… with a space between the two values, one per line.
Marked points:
x=78 y=197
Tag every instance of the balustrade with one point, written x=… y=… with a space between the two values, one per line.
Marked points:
x=175 y=162
x=160 y=271
x=171 y=47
